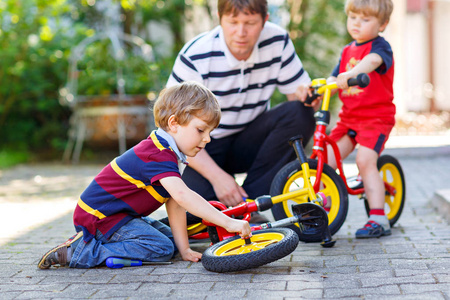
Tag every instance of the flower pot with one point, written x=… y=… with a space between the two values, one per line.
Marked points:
x=109 y=122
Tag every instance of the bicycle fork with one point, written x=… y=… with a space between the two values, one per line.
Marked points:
x=318 y=198
x=266 y=202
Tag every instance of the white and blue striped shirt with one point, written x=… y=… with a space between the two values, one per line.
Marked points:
x=243 y=88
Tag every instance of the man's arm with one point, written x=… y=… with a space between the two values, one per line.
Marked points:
x=225 y=186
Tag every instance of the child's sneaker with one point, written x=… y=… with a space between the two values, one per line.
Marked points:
x=58 y=255
x=371 y=230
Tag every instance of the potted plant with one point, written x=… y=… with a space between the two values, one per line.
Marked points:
x=110 y=91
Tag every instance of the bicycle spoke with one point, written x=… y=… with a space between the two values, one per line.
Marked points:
x=254 y=246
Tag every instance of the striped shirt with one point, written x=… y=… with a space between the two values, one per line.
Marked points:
x=243 y=88
x=127 y=188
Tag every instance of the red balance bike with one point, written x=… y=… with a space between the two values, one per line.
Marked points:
x=307 y=196
x=335 y=186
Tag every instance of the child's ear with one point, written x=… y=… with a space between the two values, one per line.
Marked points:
x=383 y=26
x=173 y=124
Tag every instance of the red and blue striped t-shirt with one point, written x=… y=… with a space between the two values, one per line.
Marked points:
x=126 y=188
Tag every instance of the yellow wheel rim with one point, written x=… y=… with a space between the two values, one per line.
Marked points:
x=195 y=228
x=258 y=242
x=391 y=175
x=329 y=188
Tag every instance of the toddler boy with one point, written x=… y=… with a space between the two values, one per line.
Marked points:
x=368 y=114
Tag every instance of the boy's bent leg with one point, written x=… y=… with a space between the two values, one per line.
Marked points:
x=263 y=148
x=378 y=224
x=135 y=240
x=164 y=229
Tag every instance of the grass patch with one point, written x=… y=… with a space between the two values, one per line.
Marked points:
x=10 y=158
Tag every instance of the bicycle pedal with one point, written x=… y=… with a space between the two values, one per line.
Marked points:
x=355 y=182
x=328 y=244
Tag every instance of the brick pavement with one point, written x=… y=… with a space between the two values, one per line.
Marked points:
x=413 y=263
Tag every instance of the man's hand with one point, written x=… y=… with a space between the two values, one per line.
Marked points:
x=227 y=190
x=302 y=92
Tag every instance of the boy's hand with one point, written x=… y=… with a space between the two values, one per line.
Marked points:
x=191 y=255
x=342 y=80
x=239 y=226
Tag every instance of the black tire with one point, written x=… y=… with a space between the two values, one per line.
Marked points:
x=392 y=173
x=290 y=177
x=268 y=245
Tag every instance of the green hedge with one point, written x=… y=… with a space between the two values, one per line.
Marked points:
x=36 y=37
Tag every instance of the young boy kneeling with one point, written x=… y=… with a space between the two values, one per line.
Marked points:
x=111 y=217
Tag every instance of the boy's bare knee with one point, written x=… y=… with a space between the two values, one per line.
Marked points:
x=366 y=158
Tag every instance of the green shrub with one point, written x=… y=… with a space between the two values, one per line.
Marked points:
x=9 y=158
x=98 y=71
x=34 y=47
x=36 y=38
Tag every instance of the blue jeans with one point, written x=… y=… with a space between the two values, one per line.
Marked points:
x=144 y=239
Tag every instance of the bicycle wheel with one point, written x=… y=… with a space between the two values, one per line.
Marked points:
x=290 y=178
x=392 y=173
x=234 y=254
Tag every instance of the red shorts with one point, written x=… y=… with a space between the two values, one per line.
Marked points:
x=371 y=135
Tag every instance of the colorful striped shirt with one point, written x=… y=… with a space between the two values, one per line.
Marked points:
x=127 y=188
x=243 y=88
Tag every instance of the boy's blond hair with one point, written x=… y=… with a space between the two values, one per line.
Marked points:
x=185 y=101
x=381 y=9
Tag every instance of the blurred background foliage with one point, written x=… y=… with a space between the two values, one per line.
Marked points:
x=36 y=38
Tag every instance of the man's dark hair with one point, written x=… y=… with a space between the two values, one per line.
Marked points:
x=235 y=7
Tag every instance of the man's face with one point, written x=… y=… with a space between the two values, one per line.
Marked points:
x=242 y=32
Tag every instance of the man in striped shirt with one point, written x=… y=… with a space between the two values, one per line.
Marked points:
x=242 y=62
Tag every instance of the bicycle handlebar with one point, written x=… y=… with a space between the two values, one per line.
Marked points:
x=362 y=80
x=310 y=99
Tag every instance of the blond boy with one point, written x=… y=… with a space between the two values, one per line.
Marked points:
x=111 y=218
x=367 y=115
